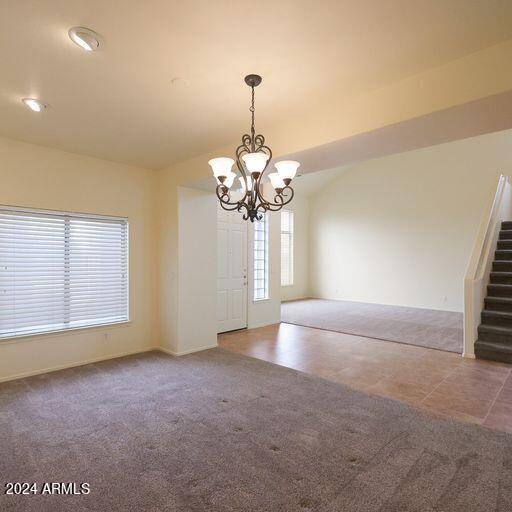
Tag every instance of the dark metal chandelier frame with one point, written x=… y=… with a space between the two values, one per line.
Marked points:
x=253 y=201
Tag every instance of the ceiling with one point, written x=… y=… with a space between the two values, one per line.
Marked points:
x=120 y=104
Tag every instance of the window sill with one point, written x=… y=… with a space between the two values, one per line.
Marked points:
x=256 y=301
x=63 y=332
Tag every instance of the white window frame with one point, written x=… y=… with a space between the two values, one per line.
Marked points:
x=290 y=235
x=260 y=264
x=86 y=217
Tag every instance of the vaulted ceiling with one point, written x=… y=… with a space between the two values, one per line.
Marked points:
x=121 y=104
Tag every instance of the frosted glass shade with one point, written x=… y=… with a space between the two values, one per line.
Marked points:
x=287 y=169
x=230 y=177
x=276 y=180
x=255 y=162
x=242 y=182
x=221 y=166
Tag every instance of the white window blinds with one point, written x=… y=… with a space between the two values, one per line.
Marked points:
x=61 y=271
x=286 y=248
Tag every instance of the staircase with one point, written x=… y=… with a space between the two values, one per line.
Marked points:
x=495 y=332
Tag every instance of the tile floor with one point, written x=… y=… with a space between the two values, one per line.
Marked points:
x=439 y=382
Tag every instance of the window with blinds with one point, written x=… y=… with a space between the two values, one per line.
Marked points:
x=286 y=248
x=261 y=259
x=61 y=271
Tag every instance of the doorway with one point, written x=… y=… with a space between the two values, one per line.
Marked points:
x=231 y=271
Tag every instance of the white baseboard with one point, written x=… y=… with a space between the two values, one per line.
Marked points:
x=102 y=358
x=72 y=365
x=185 y=352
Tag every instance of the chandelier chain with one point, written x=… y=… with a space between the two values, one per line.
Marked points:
x=252 y=109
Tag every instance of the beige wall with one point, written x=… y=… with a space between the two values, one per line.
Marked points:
x=34 y=176
x=400 y=229
x=167 y=201
x=300 y=287
x=197 y=271
x=267 y=311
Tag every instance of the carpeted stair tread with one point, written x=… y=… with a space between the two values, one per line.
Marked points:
x=494 y=346
x=503 y=254
x=505 y=234
x=497 y=318
x=496 y=329
x=499 y=289
x=498 y=304
x=505 y=314
x=501 y=276
x=493 y=351
x=501 y=266
x=503 y=300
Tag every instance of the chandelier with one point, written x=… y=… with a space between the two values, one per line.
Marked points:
x=252 y=160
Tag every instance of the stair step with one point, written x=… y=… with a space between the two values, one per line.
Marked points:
x=503 y=254
x=499 y=304
x=502 y=266
x=497 y=318
x=505 y=244
x=493 y=351
x=495 y=334
x=499 y=290
x=506 y=224
x=505 y=234
x=501 y=277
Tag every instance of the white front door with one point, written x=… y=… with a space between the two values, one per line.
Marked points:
x=231 y=271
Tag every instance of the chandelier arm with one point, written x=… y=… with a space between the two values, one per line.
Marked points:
x=241 y=150
x=281 y=199
x=236 y=206
x=222 y=194
x=259 y=188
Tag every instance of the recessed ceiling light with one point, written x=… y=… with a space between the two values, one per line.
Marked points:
x=35 y=105
x=85 y=38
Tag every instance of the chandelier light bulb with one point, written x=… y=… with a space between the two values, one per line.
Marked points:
x=221 y=166
x=255 y=162
x=287 y=169
x=276 y=181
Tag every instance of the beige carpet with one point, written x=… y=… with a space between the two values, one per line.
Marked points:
x=423 y=327
x=220 y=432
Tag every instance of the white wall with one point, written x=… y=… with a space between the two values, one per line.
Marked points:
x=400 y=229
x=197 y=271
x=268 y=311
x=300 y=287
x=38 y=177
